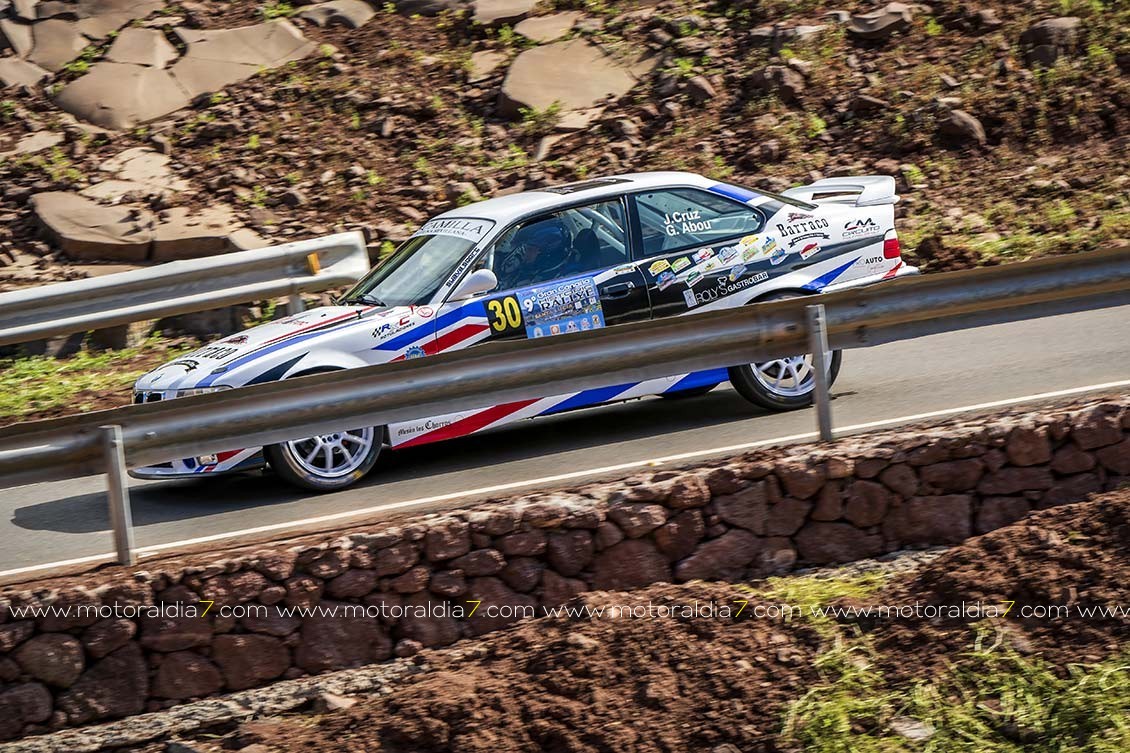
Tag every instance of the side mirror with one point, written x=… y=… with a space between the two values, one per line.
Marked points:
x=479 y=281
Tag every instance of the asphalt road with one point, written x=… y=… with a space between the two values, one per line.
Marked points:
x=49 y=523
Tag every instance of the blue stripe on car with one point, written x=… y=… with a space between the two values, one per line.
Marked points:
x=477 y=308
x=699 y=379
x=589 y=397
x=826 y=279
x=734 y=192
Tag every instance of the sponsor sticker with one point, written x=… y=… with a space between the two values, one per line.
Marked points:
x=468 y=230
x=737 y=272
x=680 y=264
x=873 y=262
x=809 y=250
x=459 y=270
x=694 y=277
x=624 y=269
x=703 y=254
x=430 y=425
x=797 y=216
x=728 y=254
x=801 y=227
x=237 y=340
x=778 y=255
x=659 y=266
x=861 y=228
x=665 y=279
x=566 y=306
x=710 y=265
x=807 y=237
x=689 y=297
x=415 y=352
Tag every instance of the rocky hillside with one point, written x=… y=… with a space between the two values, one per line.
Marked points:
x=135 y=131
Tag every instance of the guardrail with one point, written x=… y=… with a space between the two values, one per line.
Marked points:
x=103 y=442
x=182 y=287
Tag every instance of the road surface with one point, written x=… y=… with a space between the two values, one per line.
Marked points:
x=893 y=383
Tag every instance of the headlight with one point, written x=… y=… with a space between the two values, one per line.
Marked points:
x=201 y=390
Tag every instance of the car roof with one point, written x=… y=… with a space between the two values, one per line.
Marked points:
x=504 y=209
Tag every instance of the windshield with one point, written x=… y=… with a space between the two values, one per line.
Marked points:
x=437 y=254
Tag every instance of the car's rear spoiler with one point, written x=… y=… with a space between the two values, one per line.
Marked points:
x=860 y=191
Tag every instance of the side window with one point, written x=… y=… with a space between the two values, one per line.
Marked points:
x=563 y=244
x=675 y=219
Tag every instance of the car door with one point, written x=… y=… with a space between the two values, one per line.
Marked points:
x=697 y=247
x=565 y=271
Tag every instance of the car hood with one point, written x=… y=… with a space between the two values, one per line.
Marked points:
x=208 y=365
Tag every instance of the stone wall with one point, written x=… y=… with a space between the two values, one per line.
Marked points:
x=740 y=518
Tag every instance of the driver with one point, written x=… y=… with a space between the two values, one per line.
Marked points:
x=538 y=252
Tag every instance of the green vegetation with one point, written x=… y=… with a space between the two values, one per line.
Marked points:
x=509 y=38
x=280 y=9
x=685 y=67
x=81 y=64
x=816 y=126
x=422 y=166
x=516 y=157
x=57 y=166
x=35 y=384
x=7 y=110
x=539 y=122
x=992 y=700
x=816 y=591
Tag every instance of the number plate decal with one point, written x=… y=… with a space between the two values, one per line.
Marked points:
x=504 y=315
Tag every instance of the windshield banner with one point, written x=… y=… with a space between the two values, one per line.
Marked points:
x=561 y=307
x=468 y=230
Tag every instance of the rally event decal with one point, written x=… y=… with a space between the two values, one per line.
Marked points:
x=545 y=310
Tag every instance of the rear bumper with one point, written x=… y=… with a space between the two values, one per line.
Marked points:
x=903 y=270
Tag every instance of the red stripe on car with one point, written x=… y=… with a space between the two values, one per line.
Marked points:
x=470 y=424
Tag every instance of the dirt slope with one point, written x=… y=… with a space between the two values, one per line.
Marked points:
x=725 y=683
x=382 y=126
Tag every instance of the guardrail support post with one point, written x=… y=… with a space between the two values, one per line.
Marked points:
x=818 y=344
x=121 y=519
x=294 y=305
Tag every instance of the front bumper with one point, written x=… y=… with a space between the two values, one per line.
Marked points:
x=232 y=461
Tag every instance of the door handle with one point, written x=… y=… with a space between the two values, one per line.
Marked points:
x=619 y=290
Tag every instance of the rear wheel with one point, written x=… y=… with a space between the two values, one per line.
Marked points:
x=327 y=462
x=783 y=383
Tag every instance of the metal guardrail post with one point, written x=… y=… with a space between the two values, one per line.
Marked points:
x=121 y=518
x=294 y=305
x=818 y=343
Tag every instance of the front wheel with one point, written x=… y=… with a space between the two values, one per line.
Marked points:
x=326 y=462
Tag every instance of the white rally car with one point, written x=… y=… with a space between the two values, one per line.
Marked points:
x=555 y=260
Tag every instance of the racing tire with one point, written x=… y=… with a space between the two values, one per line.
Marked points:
x=785 y=383
x=684 y=394
x=327 y=462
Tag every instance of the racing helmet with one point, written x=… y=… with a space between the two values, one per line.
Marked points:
x=549 y=236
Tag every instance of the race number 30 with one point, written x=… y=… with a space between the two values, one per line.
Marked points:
x=505 y=314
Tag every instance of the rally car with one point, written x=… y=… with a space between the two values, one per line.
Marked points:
x=555 y=260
